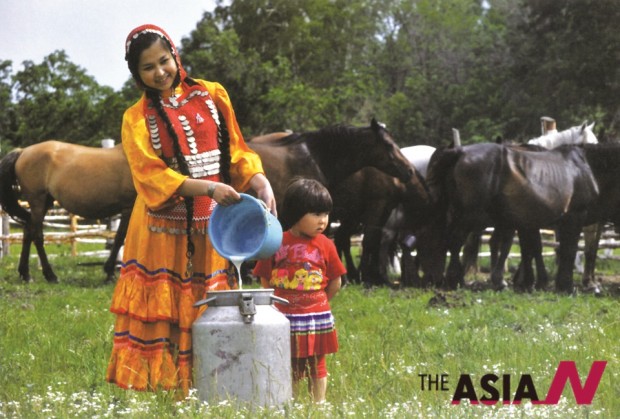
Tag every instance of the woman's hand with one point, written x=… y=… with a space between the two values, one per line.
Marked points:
x=262 y=187
x=225 y=195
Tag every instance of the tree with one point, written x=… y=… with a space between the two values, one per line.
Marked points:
x=57 y=100
x=299 y=65
x=566 y=63
x=6 y=104
x=440 y=65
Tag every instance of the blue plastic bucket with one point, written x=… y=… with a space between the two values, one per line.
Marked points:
x=246 y=230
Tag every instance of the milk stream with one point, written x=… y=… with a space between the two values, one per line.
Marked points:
x=238 y=260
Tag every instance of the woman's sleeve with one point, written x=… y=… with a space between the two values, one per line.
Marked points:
x=154 y=181
x=245 y=163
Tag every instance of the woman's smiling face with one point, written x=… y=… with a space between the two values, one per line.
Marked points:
x=157 y=67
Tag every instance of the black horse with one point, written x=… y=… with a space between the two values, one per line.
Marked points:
x=488 y=184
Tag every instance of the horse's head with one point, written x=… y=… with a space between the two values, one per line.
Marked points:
x=385 y=154
x=579 y=134
x=587 y=135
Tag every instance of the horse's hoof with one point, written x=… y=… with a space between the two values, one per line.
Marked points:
x=594 y=290
x=25 y=278
x=500 y=286
x=52 y=280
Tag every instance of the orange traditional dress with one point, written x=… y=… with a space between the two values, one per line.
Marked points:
x=154 y=296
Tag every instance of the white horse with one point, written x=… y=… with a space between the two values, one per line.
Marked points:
x=580 y=134
x=419 y=156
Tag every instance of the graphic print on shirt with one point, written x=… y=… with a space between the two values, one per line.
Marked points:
x=296 y=268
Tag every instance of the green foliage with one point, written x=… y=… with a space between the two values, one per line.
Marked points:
x=489 y=68
x=565 y=64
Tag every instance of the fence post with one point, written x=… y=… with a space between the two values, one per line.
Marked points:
x=547 y=125
x=73 y=229
x=5 y=230
x=114 y=221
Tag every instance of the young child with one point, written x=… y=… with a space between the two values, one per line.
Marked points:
x=306 y=271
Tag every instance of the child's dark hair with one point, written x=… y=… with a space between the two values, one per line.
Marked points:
x=304 y=196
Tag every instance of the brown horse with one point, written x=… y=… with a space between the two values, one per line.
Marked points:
x=369 y=198
x=329 y=155
x=94 y=183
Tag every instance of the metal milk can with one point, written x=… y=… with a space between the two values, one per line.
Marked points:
x=242 y=348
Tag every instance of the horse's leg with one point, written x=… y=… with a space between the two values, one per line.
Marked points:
x=568 y=235
x=431 y=248
x=342 y=240
x=542 y=278
x=36 y=230
x=372 y=268
x=109 y=267
x=592 y=236
x=524 y=279
x=471 y=248
x=410 y=276
x=500 y=245
x=370 y=272
x=455 y=276
x=24 y=257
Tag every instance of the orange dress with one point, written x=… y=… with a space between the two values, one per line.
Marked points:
x=154 y=296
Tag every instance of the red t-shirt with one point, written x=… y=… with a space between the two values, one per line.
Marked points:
x=302 y=264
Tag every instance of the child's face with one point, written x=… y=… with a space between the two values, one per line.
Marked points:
x=311 y=225
x=157 y=67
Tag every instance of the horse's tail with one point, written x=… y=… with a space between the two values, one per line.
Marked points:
x=441 y=164
x=9 y=188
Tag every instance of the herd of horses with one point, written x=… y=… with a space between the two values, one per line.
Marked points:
x=416 y=197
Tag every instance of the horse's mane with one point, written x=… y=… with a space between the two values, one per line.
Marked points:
x=329 y=133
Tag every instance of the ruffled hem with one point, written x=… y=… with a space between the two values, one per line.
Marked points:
x=140 y=368
x=152 y=334
x=156 y=296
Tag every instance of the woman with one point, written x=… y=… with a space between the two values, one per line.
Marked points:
x=186 y=153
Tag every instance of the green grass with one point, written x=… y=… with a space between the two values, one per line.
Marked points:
x=55 y=341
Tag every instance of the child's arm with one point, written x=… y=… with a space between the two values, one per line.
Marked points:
x=332 y=288
x=264 y=282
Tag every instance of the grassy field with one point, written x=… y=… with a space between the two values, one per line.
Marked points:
x=55 y=341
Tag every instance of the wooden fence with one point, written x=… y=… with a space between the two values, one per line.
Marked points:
x=60 y=227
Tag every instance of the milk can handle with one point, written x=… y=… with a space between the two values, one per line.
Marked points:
x=205 y=301
x=279 y=299
x=267 y=212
